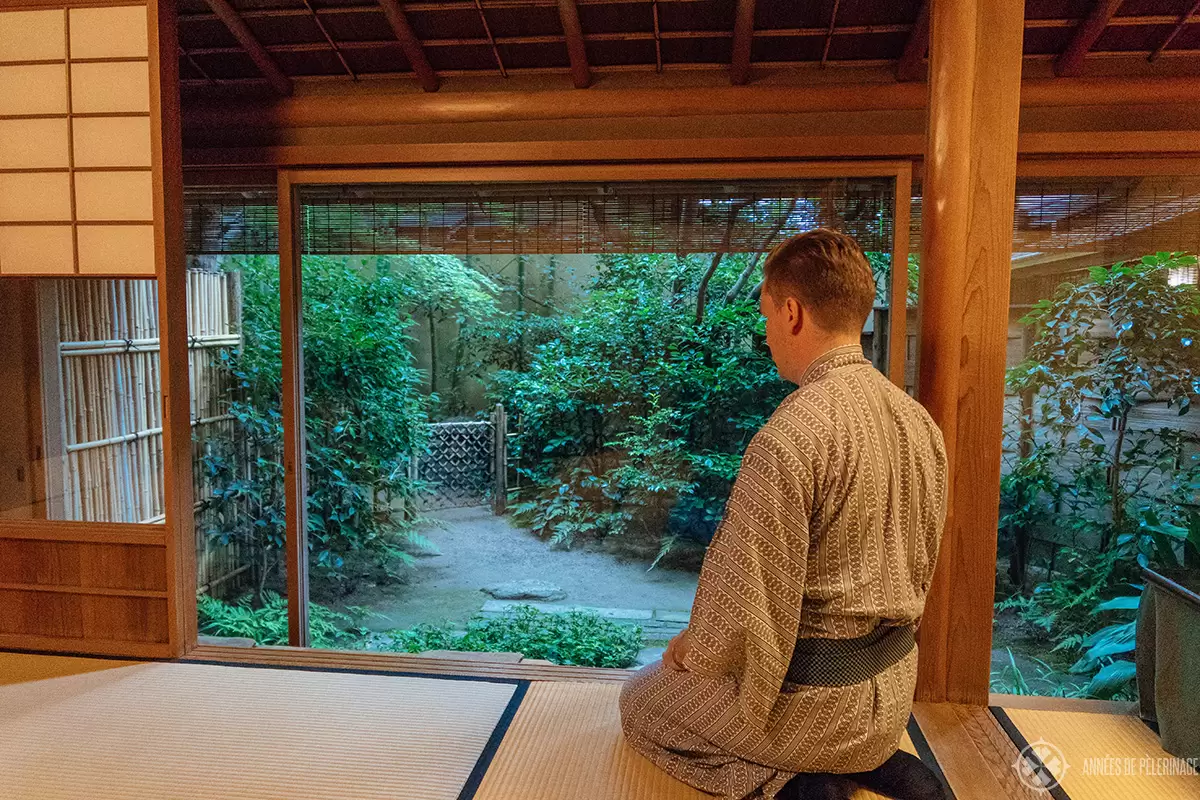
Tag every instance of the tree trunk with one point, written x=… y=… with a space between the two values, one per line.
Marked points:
x=1114 y=485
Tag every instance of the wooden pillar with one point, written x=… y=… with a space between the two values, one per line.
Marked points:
x=967 y=218
x=170 y=260
x=295 y=472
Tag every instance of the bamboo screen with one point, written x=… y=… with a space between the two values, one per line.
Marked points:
x=102 y=390
x=75 y=156
x=695 y=217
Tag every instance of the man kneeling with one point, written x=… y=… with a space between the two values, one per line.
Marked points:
x=796 y=675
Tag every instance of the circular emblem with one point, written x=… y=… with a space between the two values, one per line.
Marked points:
x=1041 y=765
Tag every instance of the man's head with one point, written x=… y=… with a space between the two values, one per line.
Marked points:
x=818 y=291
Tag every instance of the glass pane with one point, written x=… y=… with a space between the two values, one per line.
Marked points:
x=236 y=378
x=543 y=392
x=82 y=438
x=1100 y=471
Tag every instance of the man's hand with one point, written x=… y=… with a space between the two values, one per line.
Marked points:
x=677 y=651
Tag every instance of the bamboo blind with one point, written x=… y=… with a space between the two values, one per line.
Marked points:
x=1113 y=218
x=75 y=156
x=541 y=218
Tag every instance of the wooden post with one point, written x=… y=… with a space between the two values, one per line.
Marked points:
x=295 y=472
x=500 y=459
x=167 y=161
x=897 y=358
x=969 y=185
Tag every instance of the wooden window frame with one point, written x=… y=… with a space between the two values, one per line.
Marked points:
x=291 y=181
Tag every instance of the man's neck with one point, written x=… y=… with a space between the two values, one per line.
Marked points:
x=820 y=349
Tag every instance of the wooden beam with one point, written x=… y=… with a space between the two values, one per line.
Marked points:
x=743 y=38
x=1070 y=61
x=166 y=147
x=969 y=186
x=568 y=12
x=1184 y=18
x=281 y=83
x=911 y=66
x=295 y=472
x=410 y=44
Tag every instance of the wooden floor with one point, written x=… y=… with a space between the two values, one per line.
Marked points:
x=565 y=744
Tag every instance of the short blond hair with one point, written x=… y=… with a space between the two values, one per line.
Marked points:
x=828 y=273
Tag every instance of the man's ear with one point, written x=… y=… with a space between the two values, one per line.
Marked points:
x=796 y=317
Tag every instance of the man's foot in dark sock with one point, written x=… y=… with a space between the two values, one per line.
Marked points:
x=817 y=786
x=903 y=777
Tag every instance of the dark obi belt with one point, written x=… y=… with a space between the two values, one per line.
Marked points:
x=845 y=662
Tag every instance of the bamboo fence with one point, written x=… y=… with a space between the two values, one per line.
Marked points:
x=109 y=372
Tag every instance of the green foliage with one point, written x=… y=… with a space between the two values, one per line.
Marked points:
x=365 y=413
x=633 y=414
x=574 y=638
x=1122 y=496
x=268 y=624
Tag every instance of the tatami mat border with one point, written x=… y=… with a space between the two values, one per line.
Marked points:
x=1022 y=744
x=925 y=752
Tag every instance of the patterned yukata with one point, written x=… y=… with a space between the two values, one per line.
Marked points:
x=832 y=529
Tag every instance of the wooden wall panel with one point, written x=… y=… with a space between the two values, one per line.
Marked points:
x=126 y=619
x=29 y=613
x=84 y=587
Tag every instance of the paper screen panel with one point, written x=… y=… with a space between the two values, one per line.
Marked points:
x=35 y=197
x=122 y=86
x=109 y=32
x=33 y=89
x=117 y=196
x=33 y=35
x=112 y=142
x=116 y=249
x=36 y=250
x=33 y=143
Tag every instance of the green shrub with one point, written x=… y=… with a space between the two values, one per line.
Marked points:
x=575 y=638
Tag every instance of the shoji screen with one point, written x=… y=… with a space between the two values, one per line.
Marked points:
x=75 y=156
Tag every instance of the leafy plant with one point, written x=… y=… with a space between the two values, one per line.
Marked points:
x=574 y=638
x=1123 y=495
x=365 y=412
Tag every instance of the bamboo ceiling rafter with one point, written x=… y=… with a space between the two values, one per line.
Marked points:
x=911 y=66
x=743 y=38
x=1070 y=62
x=196 y=66
x=1184 y=19
x=657 y=37
x=829 y=34
x=410 y=44
x=568 y=12
x=325 y=32
x=487 y=29
x=258 y=54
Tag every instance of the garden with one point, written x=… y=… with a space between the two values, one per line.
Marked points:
x=636 y=381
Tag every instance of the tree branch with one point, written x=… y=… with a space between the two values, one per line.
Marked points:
x=702 y=292
x=736 y=289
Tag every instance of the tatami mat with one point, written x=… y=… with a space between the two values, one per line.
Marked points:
x=565 y=743
x=185 y=731
x=1107 y=756
x=24 y=667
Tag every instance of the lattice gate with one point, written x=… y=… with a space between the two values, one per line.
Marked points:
x=464 y=464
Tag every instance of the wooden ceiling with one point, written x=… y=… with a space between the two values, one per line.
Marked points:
x=268 y=45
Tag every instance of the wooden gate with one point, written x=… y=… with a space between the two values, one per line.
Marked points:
x=464 y=464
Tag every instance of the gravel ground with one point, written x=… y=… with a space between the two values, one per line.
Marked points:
x=478 y=549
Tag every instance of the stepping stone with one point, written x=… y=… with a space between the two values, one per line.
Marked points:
x=525 y=590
